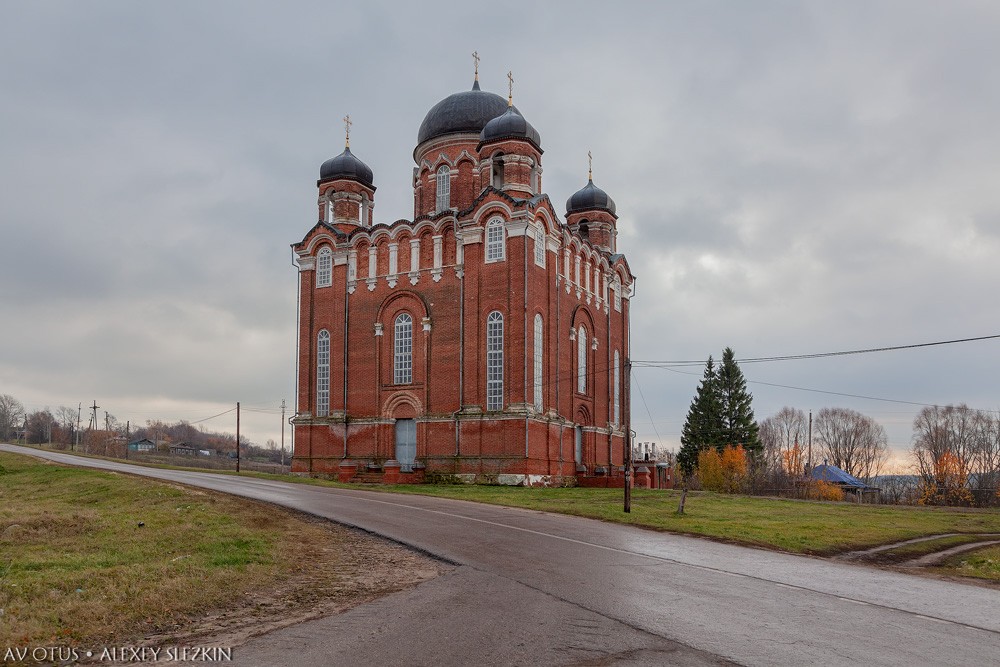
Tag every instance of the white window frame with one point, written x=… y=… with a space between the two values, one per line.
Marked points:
x=540 y=247
x=496 y=237
x=618 y=385
x=537 y=365
x=323 y=373
x=581 y=360
x=402 y=344
x=324 y=267
x=331 y=213
x=494 y=361
x=443 y=201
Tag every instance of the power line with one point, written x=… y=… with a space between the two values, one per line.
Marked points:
x=832 y=393
x=819 y=355
x=213 y=416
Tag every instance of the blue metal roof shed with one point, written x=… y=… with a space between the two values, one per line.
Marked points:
x=835 y=475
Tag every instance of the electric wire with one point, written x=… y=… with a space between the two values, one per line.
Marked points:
x=818 y=355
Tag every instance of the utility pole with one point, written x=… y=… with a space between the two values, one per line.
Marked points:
x=79 y=413
x=282 y=432
x=628 y=435
x=237 y=436
x=128 y=436
x=93 y=416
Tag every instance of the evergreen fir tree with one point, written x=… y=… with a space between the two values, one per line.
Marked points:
x=738 y=426
x=704 y=419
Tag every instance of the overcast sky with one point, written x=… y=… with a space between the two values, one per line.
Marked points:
x=791 y=178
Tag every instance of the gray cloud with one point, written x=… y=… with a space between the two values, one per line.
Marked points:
x=791 y=178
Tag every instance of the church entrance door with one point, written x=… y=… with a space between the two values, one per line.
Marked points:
x=406 y=443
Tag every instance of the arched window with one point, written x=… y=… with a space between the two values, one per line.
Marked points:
x=581 y=360
x=331 y=214
x=324 y=267
x=495 y=246
x=618 y=387
x=534 y=179
x=616 y=286
x=494 y=361
x=365 y=208
x=540 y=246
x=403 y=350
x=323 y=374
x=538 y=362
x=443 y=188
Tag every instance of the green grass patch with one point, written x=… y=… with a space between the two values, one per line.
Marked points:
x=798 y=526
x=89 y=557
x=981 y=564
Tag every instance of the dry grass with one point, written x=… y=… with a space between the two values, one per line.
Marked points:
x=90 y=557
x=980 y=564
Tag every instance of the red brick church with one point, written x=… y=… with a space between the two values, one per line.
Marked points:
x=485 y=339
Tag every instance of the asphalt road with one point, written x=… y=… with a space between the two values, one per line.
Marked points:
x=535 y=588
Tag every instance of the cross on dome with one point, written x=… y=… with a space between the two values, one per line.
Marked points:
x=510 y=89
x=475 y=58
x=347 y=131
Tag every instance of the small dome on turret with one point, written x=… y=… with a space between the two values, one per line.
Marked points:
x=590 y=198
x=346 y=165
x=510 y=125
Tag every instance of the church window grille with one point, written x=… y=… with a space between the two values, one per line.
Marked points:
x=323 y=374
x=495 y=250
x=538 y=362
x=581 y=360
x=494 y=361
x=403 y=348
x=618 y=387
x=443 y=188
x=540 y=247
x=324 y=268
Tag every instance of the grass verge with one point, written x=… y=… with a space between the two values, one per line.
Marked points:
x=90 y=557
x=981 y=564
x=798 y=526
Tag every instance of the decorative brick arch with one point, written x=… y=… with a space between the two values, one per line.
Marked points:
x=402 y=405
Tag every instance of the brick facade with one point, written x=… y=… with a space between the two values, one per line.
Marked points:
x=407 y=308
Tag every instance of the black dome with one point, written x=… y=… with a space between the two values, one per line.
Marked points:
x=590 y=198
x=468 y=111
x=510 y=125
x=346 y=165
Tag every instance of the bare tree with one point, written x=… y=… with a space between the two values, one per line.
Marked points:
x=986 y=461
x=779 y=434
x=853 y=442
x=939 y=431
x=40 y=426
x=11 y=416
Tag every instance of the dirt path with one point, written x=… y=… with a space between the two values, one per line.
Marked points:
x=938 y=556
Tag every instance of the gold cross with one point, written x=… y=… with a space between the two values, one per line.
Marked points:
x=475 y=57
x=347 y=130
x=510 y=88
x=590 y=166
